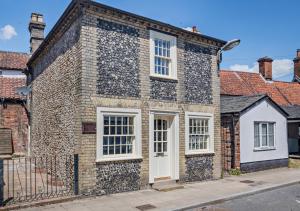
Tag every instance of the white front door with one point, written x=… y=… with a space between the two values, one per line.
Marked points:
x=161 y=147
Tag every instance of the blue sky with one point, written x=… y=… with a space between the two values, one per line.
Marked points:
x=265 y=27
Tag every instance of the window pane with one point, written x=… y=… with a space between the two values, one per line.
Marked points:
x=111 y=140
x=264 y=129
x=271 y=134
x=165 y=146
x=125 y=130
x=264 y=140
x=129 y=149
x=118 y=149
x=105 y=150
x=129 y=140
x=159 y=124
x=165 y=134
x=123 y=149
x=131 y=120
x=105 y=140
x=112 y=120
x=271 y=128
x=271 y=140
x=106 y=120
x=159 y=147
x=123 y=140
x=264 y=135
x=112 y=130
x=119 y=130
x=130 y=130
x=111 y=150
x=125 y=120
x=118 y=140
x=106 y=130
x=256 y=135
x=119 y=120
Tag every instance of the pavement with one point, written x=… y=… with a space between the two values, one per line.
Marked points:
x=193 y=195
x=282 y=199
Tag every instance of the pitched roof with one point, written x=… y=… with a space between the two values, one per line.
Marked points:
x=13 y=60
x=245 y=83
x=236 y=104
x=293 y=111
x=239 y=104
x=8 y=87
x=74 y=5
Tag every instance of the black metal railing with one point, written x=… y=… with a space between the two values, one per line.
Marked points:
x=36 y=178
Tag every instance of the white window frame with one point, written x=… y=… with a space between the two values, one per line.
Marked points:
x=200 y=115
x=173 y=54
x=268 y=147
x=137 y=145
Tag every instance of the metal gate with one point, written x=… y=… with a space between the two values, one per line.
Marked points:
x=37 y=178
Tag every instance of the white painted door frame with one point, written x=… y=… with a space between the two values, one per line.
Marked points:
x=173 y=146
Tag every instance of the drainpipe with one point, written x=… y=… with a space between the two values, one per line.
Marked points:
x=233 y=146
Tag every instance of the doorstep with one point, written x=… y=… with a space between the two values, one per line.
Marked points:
x=166 y=185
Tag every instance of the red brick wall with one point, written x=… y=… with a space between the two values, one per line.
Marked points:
x=230 y=137
x=13 y=116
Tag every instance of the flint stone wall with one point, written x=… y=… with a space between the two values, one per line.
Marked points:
x=118 y=60
x=199 y=168
x=197 y=73
x=163 y=89
x=116 y=177
x=56 y=97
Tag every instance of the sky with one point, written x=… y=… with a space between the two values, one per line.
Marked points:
x=265 y=27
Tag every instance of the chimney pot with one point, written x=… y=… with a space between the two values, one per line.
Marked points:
x=298 y=53
x=194 y=29
x=265 y=67
x=36 y=29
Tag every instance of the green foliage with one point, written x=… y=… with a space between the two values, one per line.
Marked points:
x=294 y=163
x=235 y=172
x=222 y=174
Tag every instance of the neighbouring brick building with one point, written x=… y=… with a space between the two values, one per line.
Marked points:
x=136 y=98
x=235 y=84
x=13 y=116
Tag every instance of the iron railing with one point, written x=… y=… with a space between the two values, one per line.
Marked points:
x=36 y=178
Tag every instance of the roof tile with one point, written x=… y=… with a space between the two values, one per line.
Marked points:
x=8 y=87
x=245 y=83
x=13 y=60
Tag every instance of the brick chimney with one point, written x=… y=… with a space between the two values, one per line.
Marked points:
x=297 y=65
x=265 y=67
x=36 y=29
x=194 y=29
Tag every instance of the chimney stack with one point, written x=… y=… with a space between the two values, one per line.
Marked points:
x=297 y=65
x=36 y=29
x=265 y=67
x=194 y=29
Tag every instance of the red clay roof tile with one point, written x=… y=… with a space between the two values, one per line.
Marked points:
x=13 y=60
x=8 y=87
x=245 y=83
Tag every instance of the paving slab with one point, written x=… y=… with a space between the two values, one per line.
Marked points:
x=192 y=195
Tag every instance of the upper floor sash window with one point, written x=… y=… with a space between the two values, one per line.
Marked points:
x=163 y=59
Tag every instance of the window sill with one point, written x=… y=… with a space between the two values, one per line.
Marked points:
x=163 y=78
x=117 y=159
x=264 y=149
x=191 y=154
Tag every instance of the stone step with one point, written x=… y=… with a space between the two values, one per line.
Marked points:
x=166 y=185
